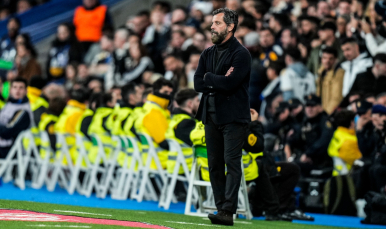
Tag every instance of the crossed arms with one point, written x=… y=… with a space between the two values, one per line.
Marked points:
x=207 y=82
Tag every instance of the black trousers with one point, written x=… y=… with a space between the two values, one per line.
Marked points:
x=263 y=196
x=285 y=185
x=377 y=177
x=276 y=194
x=224 y=144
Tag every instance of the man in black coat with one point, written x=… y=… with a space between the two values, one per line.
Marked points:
x=223 y=77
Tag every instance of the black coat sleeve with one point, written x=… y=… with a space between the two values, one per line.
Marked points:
x=199 y=84
x=242 y=67
x=254 y=141
x=321 y=145
x=20 y=121
x=366 y=142
x=183 y=130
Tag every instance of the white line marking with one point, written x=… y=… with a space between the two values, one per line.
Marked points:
x=233 y=221
x=70 y=226
x=199 y=224
x=85 y=213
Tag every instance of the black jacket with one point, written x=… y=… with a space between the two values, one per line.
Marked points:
x=314 y=138
x=231 y=93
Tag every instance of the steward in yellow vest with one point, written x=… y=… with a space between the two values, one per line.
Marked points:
x=180 y=126
x=47 y=124
x=155 y=118
x=131 y=96
x=69 y=118
x=39 y=102
x=98 y=126
x=343 y=148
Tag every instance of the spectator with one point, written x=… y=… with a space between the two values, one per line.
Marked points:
x=179 y=15
x=341 y=24
x=326 y=39
x=95 y=49
x=307 y=30
x=289 y=38
x=139 y=69
x=277 y=23
x=89 y=20
x=323 y=9
x=344 y=7
x=273 y=87
x=15 y=116
x=71 y=75
x=26 y=63
x=377 y=171
x=139 y=23
x=198 y=45
x=330 y=80
x=343 y=148
x=156 y=38
x=191 y=68
x=175 y=71
x=309 y=143
x=373 y=80
x=4 y=13
x=64 y=49
x=296 y=81
x=177 y=40
x=297 y=110
x=355 y=63
x=23 y=6
x=120 y=58
x=7 y=44
x=271 y=52
x=101 y=62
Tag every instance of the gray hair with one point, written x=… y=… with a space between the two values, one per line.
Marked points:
x=230 y=17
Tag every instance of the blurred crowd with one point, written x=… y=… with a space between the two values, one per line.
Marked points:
x=318 y=76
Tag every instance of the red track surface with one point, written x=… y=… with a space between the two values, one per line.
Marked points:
x=20 y=215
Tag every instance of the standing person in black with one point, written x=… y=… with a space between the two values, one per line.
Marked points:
x=223 y=77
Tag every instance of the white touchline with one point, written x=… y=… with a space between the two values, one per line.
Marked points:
x=70 y=226
x=233 y=221
x=85 y=213
x=199 y=224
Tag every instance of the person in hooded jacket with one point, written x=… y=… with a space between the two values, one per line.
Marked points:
x=297 y=81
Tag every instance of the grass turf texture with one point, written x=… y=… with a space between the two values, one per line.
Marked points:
x=157 y=218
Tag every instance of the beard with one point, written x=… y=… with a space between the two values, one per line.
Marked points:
x=218 y=38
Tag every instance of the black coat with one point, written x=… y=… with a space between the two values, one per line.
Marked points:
x=231 y=93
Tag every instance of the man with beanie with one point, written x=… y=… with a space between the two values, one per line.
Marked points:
x=223 y=77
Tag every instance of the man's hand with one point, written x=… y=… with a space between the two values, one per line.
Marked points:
x=229 y=71
x=365 y=27
x=254 y=114
x=305 y=159
x=362 y=121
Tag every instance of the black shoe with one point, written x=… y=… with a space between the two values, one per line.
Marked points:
x=299 y=215
x=277 y=217
x=222 y=218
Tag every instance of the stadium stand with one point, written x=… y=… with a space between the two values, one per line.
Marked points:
x=96 y=107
